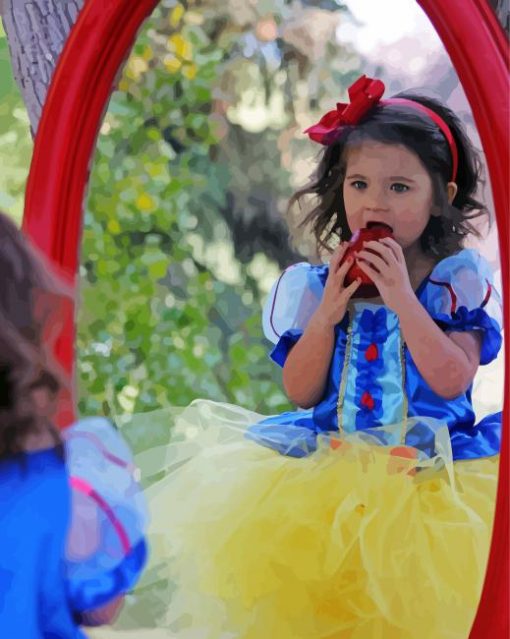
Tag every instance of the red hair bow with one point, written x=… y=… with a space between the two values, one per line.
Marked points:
x=364 y=94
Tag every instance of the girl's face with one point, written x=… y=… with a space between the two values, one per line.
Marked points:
x=387 y=183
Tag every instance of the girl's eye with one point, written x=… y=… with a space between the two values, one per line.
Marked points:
x=358 y=184
x=399 y=188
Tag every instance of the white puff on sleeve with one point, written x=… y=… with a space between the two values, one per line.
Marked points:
x=291 y=303
x=461 y=296
x=106 y=546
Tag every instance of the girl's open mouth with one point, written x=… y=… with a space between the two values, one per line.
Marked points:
x=373 y=225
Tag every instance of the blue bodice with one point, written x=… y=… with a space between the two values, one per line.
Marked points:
x=373 y=380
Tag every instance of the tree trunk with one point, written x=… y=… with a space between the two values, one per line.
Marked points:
x=502 y=9
x=36 y=31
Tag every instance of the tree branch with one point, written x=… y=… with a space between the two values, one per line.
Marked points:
x=36 y=32
x=502 y=10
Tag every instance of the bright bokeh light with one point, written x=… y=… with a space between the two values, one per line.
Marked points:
x=377 y=23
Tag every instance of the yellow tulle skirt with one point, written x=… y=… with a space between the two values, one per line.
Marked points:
x=355 y=541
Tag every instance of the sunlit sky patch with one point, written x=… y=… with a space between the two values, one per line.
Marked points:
x=377 y=23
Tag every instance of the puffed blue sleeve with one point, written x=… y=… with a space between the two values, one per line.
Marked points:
x=291 y=303
x=461 y=296
x=106 y=547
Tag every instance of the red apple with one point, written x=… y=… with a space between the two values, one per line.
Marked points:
x=373 y=231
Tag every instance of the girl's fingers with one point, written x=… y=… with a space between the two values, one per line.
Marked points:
x=352 y=288
x=337 y=257
x=380 y=249
x=343 y=269
x=395 y=248
x=335 y=260
x=371 y=271
x=373 y=260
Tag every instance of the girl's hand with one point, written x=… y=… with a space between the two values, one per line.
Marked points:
x=336 y=296
x=388 y=271
x=107 y=614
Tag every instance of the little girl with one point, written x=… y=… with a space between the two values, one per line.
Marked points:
x=367 y=512
x=71 y=515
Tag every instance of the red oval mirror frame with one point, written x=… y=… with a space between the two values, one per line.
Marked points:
x=78 y=96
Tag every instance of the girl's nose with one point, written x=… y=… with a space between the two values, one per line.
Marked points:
x=376 y=200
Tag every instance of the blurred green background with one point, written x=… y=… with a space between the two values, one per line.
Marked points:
x=184 y=229
x=15 y=140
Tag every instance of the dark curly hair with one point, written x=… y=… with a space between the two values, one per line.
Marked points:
x=30 y=303
x=403 y=125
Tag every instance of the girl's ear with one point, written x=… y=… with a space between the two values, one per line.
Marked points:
x=451 y=190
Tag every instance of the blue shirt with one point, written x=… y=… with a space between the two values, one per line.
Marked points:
x=34 y=521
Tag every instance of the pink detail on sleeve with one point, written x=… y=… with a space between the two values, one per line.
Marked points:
x=274 y=303
x=453 y=296
x=84 y=487
x=106 y=453
x=487 y=295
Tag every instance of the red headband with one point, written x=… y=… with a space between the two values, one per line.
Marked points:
x=365 y=94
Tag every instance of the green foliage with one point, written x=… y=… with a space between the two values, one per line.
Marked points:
x=167 y=313
x=201 y=130
x=15 y=140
